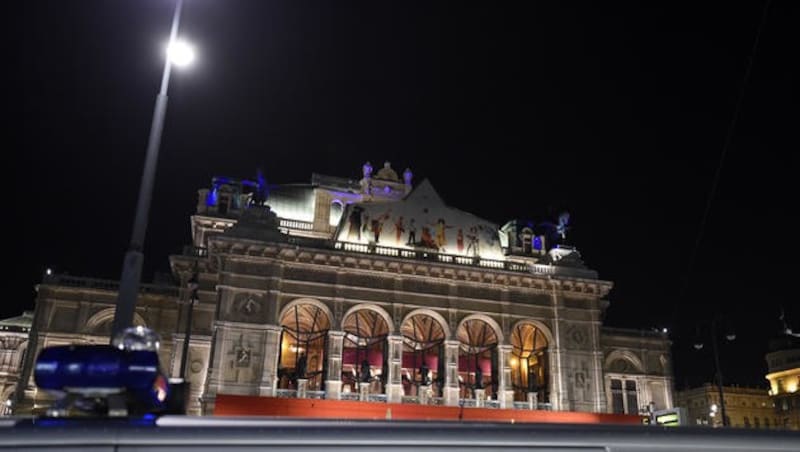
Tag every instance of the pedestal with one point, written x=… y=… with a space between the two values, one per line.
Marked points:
x=363 y=392
x=394 y=393
x=480 y=398
x=533 y=402
x=302 y=388
x=333 y=389
x=424 y=394
x=507 y=399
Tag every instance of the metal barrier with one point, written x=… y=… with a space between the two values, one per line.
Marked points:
x=200 y=434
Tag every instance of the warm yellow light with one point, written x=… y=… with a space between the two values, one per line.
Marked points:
x=514 y=362
x=791 y=387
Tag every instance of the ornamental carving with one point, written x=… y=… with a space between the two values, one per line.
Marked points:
x=577 y=336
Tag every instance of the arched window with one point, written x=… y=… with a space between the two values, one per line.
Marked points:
x=336 y=212
x=477 y=360
x=303 y=343
x=529 y=366
x=364 y=354
x=423 y=354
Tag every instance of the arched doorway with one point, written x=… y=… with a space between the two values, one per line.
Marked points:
x=303 y=343
x=477 y=358
x=364 y=350
x=529 y=365
x=423 y=353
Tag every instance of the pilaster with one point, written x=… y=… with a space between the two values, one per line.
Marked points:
x=333 y=380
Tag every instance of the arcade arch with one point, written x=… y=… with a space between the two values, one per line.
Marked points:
x=304 y=331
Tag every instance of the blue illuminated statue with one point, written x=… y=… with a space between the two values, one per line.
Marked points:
x=561 y=228
x=261 y=194
x=557 y=230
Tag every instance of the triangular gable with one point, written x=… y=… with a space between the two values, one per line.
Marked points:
x=424 y=193
x=420 y=221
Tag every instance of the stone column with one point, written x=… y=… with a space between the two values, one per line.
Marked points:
x=450 y=392
x=363 y=392
x=333 y=381
x=272 y=346
x=505 y=393
x=394 y=384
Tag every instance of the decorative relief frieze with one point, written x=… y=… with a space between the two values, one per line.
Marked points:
x=592 y=288
x=244 y=307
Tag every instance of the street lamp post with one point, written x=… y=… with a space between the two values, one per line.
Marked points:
x=177 y=53
x=729 y=336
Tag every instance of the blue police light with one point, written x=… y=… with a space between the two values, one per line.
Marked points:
x=130 y=366
x=95 y=366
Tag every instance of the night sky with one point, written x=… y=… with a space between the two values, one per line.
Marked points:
x=617 y=113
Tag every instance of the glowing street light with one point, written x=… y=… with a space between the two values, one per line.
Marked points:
x=179 y=54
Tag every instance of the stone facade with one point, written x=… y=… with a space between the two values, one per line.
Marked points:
x=783 y=363
x=745 y=407
x=13 y=349
x=370 y=289
x=637 y=370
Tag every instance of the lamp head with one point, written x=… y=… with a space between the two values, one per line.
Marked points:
x=180 y=53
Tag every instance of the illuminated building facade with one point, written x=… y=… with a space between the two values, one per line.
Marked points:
x=783 y=363
x=374 y=289
x=745 y=407
x=13 y=345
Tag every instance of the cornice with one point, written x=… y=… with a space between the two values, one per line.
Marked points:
x=253 y=250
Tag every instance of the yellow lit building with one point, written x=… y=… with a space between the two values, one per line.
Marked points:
x=783 y=362
x=745 y=407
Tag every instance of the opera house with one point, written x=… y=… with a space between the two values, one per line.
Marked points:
x=371 y=289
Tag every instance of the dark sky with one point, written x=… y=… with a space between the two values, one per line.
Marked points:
x=616 y=112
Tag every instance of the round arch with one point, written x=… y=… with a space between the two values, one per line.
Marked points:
x=489 y=321
x=531 y=357
x=539 y=325
x=311 y=301
x=625 y=356
x=103 y=318
x=336 y=212
x=434 y=315
x=372 y=307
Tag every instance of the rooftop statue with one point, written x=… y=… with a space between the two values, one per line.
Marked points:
x=407 y=176
x=558 y=229
x=261 y=194
x=387 y=173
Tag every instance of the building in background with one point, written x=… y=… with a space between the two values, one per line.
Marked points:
x=372 y=289
x=745 y=407
x=783 y=364
x=13 y=346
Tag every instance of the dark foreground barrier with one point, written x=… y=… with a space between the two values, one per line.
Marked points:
x=194 y=434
